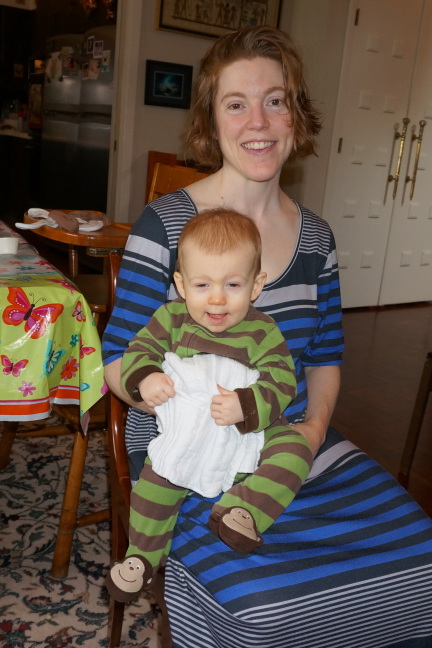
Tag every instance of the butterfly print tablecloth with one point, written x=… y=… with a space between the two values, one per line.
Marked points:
x=50 y=347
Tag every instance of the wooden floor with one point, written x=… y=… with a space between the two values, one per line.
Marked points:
x=384 y=358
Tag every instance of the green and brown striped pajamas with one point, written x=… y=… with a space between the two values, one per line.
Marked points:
x=285 y=458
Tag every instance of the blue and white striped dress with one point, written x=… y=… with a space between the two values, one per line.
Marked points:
x=349 y=564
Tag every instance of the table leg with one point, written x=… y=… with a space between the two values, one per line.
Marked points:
x=73 y=261
x=68 y=518
x=6 y=441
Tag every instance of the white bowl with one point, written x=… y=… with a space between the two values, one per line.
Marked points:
x=8 y=244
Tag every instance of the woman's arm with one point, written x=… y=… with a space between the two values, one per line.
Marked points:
x=112 y=377
x=323 y=387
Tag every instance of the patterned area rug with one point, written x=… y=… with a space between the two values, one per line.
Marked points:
x=35 y=609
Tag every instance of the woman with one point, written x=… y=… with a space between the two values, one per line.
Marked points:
x=311 y=583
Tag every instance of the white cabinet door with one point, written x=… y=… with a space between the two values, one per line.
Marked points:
x=407 y=273
x=376 y=79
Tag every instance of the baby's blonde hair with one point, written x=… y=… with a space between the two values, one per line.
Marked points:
x=220 y=230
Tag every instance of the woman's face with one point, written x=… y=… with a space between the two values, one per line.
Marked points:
x=253 y=124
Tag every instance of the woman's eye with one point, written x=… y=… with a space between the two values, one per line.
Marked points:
x=279 y=105
x=234 y=106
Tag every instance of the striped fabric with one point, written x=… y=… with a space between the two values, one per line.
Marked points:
x=349 y=564
x=304 y=300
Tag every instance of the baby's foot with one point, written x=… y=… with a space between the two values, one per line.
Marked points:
x=237 y=528
x=127 y=578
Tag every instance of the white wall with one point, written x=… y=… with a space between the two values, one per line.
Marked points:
x=148 y=127
x=317 y=25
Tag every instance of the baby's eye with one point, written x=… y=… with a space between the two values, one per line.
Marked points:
x=233 y=285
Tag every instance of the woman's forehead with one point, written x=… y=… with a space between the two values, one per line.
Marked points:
x=265 y=72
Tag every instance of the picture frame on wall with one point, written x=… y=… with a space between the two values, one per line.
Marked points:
x=168 y=84
x=213 y=18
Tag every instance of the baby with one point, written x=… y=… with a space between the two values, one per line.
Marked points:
x=219 y=275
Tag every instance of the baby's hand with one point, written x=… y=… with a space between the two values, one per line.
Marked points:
x=156 y=389
x=225 y=407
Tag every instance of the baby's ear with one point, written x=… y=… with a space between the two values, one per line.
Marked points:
x=178 y=279
x=259 y=284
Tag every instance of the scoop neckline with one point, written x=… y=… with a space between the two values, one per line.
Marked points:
x=297 y=245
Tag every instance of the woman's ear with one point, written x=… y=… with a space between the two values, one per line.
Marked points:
x=178 y=279
x=259 y=284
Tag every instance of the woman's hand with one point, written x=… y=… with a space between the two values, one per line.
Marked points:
x=323 y=387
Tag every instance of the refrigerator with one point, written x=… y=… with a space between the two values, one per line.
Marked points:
x=76 y=129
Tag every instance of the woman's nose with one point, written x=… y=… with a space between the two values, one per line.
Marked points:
x=258 y=118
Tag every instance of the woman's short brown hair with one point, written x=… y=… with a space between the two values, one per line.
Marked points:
x=220 y=230
x=250 y=43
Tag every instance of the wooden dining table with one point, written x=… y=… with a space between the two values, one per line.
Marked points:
x=97 y=243
x=50 y=354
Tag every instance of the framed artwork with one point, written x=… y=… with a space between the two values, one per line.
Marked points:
x=214 y=18
x=168 y=84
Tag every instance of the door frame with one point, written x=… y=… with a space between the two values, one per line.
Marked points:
x=127 y=66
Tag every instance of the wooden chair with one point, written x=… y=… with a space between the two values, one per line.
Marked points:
x=120 y=494
x=424 y=390
x=120 y=484
x=168 y=178
x=153 y=158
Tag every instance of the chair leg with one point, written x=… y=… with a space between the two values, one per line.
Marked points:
x=115 y=623
x=120 y=543
x=417 y=417
x=68 y=518
x=6 y=442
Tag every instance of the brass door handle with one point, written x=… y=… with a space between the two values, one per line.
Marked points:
x=419 y=138
x=402 y=137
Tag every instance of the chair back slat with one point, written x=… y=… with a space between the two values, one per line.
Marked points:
x=168 y=178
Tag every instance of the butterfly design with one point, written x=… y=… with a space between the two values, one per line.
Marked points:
x=85 y=350
x=78 y=312
x=11 y=367
x=53 y=357
x=35 y=318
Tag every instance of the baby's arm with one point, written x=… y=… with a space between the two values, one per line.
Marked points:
x=260 y=404
x=155 y=389
x=225 y=407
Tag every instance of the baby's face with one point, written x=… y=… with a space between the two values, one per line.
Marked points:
x=218 y=288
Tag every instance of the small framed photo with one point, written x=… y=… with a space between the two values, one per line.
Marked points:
x=90 y=44
x=168 y=84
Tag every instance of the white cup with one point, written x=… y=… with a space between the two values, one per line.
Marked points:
x=8 y=244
